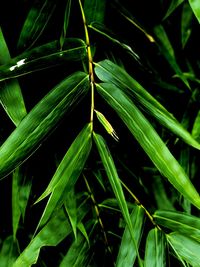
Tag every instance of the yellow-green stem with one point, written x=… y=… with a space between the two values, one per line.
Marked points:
x=90 y=63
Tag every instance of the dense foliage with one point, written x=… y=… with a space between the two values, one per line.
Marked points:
x=100 y=133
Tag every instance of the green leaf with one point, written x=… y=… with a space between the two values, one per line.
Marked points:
x=66 y=175
x=109 y=72
x=186 y=24
x=78 y=253
x=8 y=252
x=187 y=249
x=127 y=253
x=155 y=249
x=10 y=92
x=50 y=235
x=196 y=127
x=43 y=57
x=66 y=23
x=167 y=50
x=149 y=140
x=114 y=180
x=195 y=8
x=173 y=6
x=94 y=10
x=180 y=222
x=41 y=120
x=35 y=23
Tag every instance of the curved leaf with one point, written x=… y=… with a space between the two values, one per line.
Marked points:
x=107 y=71
x=35 y=23
x=179 y=222
x=43 y=57
x=155 y=249
x=10 y=92
x=173 y=6
x=66 y=175
x=149 y=140
x=196 y=8
x=41 y=120
x=127 y=253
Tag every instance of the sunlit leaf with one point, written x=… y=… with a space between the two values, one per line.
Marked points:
x=167 y=50
x=43 y=57
x=94 y=10
x=155 y=249
x=66 y=175
x=107 y=71
x=196 y=8
x=196 y=127
x=172 y=7
x=10 y=92
x=127 y=253
x=8 y=252
x=113 y=177
x=185 y=248
x=41 y=120
x=149 y=140
x=179 y=221
x=35 y=23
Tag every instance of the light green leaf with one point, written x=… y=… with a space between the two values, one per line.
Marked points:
x=195 y=8
x=186 y=24
x=8 y=252
x=173 y=6
x=109 y=72
x=50 y=235
x=94 y=10
x=180 y=222
x=114 y=180
x=35 y=23
x=155 y=249
x=43 y=57
x=67 y=174
x=78 y=253
x=149 y=140
x=127 y=253
x=167 y=50
x=10 y=92
x=187 y=249
x=41 y=120
x=196 y=127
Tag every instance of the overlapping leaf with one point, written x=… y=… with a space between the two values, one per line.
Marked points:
x=66 y=176
x=65 y=23
x=10 y=92
x=155 y=249
x=127 y=253
x=41 y=120
x=8 y=252
x=35 y=23
x=179 y=221
x=113 y=177
x=43 y=57
x=107 y=71
x=149 y=140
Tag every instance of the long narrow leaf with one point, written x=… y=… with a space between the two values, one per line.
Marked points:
x=107 y=71
x=10 y=92
x=41 y=120
x=65 y=23
x=8 y=252
x=186 y=24
x=67 y=174
x=113 y=177
x=155 y=249
x=196 y=8
x=149 y=140
x=94 y=10
x=43 y=57
x=35 y=23
x=179 y=221
x=187 y=249
x=127 y=253
x=173 y=6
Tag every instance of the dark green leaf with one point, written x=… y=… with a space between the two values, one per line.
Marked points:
x=109 y=72
x=196 y=8
x=8 y=252
x=127 y=253
x=155 y=249
x=65 y=23
x=94 y=10
x=173 y=6
x=41 y=120
x=149 y=140
x=35 y=23
x=186 y=24
x=43 y=57
x=179 y=222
